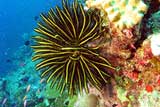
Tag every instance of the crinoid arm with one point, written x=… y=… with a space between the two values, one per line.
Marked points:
x=65 y=60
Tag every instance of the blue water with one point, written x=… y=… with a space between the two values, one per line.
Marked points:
x=16 y=18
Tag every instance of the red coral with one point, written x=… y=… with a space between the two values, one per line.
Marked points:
x=158 y=82
x=142 y=62
x=132 y=75
x=140 y=82
x=149 y=88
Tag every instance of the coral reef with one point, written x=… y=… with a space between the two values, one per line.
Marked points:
x=122 y=13
x=142 y=85
x=132 y=48
x=24 y=86
x=136 y=52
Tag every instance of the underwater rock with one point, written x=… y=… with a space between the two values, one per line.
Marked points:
x=90 y=100
x=150 y=22
x=154 y=22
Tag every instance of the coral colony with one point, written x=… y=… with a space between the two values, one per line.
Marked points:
x=102 y=53
x=86 y=49
x=122 y=13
